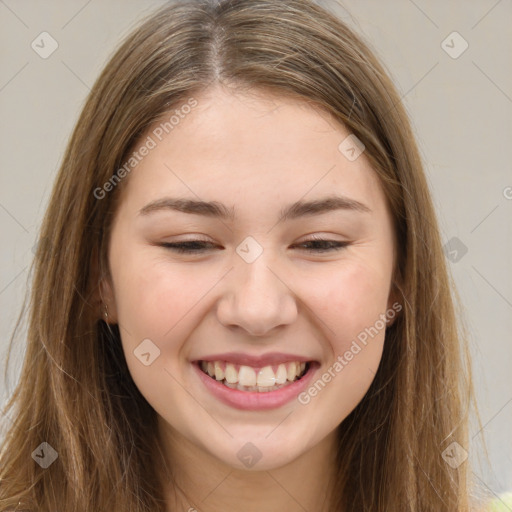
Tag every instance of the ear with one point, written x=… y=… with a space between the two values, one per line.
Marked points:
x=103 y=300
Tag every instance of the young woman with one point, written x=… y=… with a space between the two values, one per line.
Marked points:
x=240 y=301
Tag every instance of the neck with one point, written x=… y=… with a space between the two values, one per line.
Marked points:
x=200 y=481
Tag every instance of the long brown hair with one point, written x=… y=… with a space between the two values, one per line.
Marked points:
x=75 y=392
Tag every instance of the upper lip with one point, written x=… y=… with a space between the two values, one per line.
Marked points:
x=270 y=359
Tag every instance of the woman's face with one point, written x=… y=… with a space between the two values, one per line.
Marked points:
x=255 y=291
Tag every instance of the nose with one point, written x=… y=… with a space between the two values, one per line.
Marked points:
x=257 y=298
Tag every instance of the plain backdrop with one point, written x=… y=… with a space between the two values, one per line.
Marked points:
x=457 y=89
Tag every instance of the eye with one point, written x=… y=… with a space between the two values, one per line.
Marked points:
x=324 y=245
x=190 y=246
x=197 y=246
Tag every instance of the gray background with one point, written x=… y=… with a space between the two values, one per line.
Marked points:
x=461 y=112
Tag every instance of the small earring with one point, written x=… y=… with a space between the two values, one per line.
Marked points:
x=106 y=313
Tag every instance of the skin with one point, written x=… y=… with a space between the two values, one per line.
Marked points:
x=256 y=153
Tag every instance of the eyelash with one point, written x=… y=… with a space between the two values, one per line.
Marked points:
x=184 y=247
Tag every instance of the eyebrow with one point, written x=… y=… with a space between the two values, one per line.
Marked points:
x=219 y=210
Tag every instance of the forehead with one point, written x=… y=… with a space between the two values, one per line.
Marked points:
x=243 y=148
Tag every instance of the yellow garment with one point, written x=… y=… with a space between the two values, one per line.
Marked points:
x=502 y=504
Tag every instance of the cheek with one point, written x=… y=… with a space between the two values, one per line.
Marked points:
x=351 y=298
x=156 y=301
x=152 y=297
x=350 y=308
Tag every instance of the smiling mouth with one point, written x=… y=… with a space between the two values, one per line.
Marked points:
x=250 y=379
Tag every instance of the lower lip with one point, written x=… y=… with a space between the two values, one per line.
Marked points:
x=254 y=400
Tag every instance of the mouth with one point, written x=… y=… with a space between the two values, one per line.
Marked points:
x=255 y=379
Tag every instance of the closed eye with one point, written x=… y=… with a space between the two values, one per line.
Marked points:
x=317 y=245
x=325 y=245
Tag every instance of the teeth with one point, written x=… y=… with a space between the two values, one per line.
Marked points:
x=292 y=371
x=282 y=374
x=231 y=374
x=246 y=377
x=219 y=372
x=266 y=377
